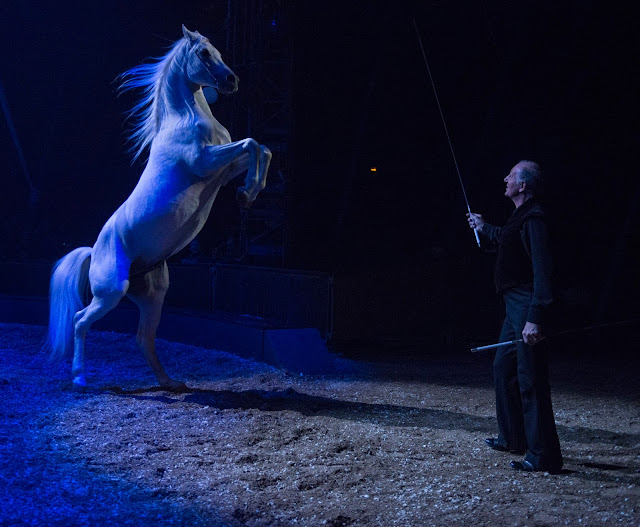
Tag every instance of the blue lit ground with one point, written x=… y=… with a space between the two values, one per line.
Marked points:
x=388 y=443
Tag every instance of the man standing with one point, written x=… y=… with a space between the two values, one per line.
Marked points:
x=521 y=372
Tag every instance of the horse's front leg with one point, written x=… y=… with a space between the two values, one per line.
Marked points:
x=213 y=158
x=241 y=165
x=263 y=168
x=148 y=292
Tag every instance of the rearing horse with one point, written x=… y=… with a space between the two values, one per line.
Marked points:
x=191 y=156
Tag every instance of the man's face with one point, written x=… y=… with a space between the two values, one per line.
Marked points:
x=514 y=186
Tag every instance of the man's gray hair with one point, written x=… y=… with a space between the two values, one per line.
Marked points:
x=531 y=174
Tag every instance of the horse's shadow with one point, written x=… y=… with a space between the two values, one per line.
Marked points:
x=314 y=405
x=374 y=413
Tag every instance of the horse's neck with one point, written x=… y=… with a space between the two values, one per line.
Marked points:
x=219 y=134
x=183 y=101
x=201 y=103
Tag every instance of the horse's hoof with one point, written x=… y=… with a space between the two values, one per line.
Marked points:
x=79 y=384
x=174 y=386
x=243 y=198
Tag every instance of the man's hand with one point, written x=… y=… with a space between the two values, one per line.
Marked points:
x=532 y=333
x=476 y=221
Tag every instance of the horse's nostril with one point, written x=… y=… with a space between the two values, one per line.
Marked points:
x=232 y=78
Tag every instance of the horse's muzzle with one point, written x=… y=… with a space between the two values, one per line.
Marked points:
x=229 y=84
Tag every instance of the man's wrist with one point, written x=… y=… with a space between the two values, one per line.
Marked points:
x=535 y=316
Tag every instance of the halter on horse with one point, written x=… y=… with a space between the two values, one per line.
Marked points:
x=191 y=156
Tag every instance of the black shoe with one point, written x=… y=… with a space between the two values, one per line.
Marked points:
x=526 y=466
x=523 y=465
x=492 y=442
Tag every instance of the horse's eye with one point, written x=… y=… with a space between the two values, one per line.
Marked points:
x=205 y=53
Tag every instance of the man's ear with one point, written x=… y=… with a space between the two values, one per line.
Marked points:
x=523 y=187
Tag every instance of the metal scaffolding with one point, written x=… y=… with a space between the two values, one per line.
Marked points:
x=259 y=48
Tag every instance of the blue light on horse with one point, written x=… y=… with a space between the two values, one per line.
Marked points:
x=191 y=156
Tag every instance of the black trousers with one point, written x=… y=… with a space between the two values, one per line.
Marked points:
x=523 y=396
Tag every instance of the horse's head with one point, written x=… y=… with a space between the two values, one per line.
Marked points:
x=204 y=64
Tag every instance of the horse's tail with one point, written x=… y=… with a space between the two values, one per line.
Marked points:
x=68 y=293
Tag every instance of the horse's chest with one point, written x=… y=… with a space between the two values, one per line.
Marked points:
x=218 y=136
x=213 y=132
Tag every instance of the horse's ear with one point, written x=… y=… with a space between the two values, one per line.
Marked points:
x=189 y=35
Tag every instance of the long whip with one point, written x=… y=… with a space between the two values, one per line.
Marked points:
x=565 y=332
x=444 y=123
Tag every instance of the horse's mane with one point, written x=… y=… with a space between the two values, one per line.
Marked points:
x=148 y=113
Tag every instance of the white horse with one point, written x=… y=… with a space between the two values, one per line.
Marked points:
x=191 y=156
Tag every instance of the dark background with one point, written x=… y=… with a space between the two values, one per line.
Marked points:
x=556 y=82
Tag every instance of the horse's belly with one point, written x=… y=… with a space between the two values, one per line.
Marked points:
x=163 y=236
x=161 y=228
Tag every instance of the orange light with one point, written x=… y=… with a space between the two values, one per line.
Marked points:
x=374 y=169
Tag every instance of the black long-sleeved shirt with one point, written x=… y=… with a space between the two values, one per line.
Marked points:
x=535 y=238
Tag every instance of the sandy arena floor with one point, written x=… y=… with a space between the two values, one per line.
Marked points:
x=378 y=443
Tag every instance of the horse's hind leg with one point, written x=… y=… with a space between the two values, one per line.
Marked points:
x=148 y=292
x=99 y=306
